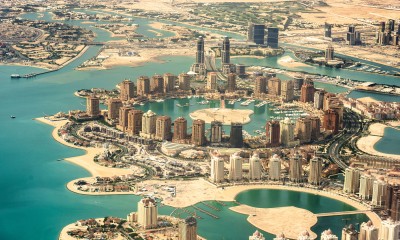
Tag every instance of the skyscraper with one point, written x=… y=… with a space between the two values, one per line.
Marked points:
x=163 y=128
x=93 y=106
x=328 y=235
x=169 y=82
x=368 y=231
x=379 y=192
x=198 y=132
x=250 y=32
x=390 y=230
x=307 y=93
x=236 y=137
x=259 y=33
x=331 y=121
x=274 y=87
x=273 y=37
x=188 y=229
x=272 y=133
x=329 y=53
x=304 y=128
x=260 y=86
x=200 y=51
x=147 y=213
x=257 y=236
x=180 y=129
x=231 y=87
x=225 y=51
x=314 y=176
x=216 y=132
x=123 y=118
x=315 y=128
x=351 y=180
x=143 y=86
x=349 y=233
x=135 y=121
x=255 y=167
x=287 y=91
x=157 y=84
x=212 y=81
x=149 y=124
x=287 y=132
x=328 y=30
x=235 y=171
x=184 y=81
x=274 y=168
x=217 y=169
x=114 y=104
x=319 y=99
x=366 y=186
x=127 y=90
x=296 y=168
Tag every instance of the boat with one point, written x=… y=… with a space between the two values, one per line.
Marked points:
x=15 y=75
x=160 y=100
x=12 y=116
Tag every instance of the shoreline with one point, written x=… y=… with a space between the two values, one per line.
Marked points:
x=228 y=194
x=86 y=160
x=366 y=144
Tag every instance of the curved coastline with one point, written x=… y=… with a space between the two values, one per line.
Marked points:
x=377 y=131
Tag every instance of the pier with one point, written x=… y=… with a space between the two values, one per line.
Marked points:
x=341 y=213
x=210 y=206
x=222 y=203
x=205 y=212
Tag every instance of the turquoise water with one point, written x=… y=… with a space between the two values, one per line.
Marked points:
x=271 y=198
x=33 y=181
x=390 y=141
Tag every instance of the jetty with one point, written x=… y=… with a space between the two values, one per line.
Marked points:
x=205 y=212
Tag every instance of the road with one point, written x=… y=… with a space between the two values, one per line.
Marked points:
x=353 y=126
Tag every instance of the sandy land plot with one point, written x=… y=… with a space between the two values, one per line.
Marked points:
x=280 y=220
x=225 y=115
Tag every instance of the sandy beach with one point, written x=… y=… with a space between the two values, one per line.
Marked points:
x=85 y=161
x=283 y=220
x=366 y=144
x=288 y=61
x=193 y=191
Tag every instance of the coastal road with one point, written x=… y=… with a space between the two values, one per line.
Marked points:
x=352 y=126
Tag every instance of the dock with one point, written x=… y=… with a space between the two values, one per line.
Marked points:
x=205 y=212
x=222 y=203
x=210 y=206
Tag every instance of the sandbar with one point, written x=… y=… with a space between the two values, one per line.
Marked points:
x=280 y=220
x=225 y=115
x=288 y=61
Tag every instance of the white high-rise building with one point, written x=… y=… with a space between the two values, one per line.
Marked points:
x=304 y=236
x=368 y=231
x=328 y=235
x=287 y=133
x=280 y=237
x=147 y=213
x=257 y=236
x=379 y=192
x=274 y=168
x=351 y=180
x=235 y=172
x=217 y=169
x=148 y=124
x=314 y=176
x=366 y=185
x=296 y=168
x=255 y=167
x=390 y=230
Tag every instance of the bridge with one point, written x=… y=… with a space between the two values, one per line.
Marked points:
x=342 y=213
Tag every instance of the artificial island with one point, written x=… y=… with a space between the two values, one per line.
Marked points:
x=221 y=127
